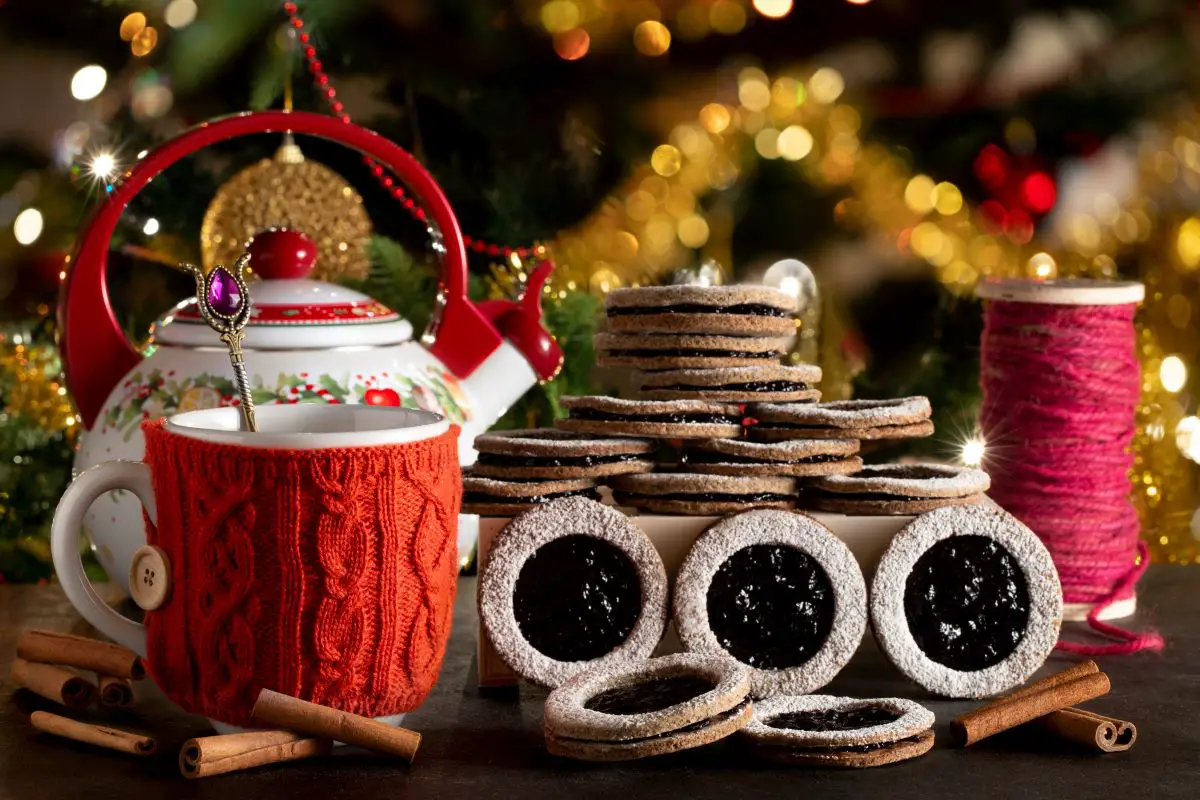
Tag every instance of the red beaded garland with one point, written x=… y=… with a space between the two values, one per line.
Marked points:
x=321 y=79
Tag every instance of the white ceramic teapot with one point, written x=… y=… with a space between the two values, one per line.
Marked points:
x=307 y=341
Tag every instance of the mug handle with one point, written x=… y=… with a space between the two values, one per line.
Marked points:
x=64 y=545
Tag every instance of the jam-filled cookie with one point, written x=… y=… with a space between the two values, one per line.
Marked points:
x=764 y=382
x=824 y=731
x=695 y=494
x=727 y=310
x=667 y=704
x=778 y=592
x=686 y=351
x=551 y=453
x=493 y=497
x=571 y=585
x=966 y=601
x=674 y=419
x=796 y=457
x=865 y=420
x=897 y=489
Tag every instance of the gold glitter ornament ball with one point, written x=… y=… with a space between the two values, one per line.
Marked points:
x=290 y=191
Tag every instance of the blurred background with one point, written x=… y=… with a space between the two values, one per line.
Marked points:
x=876 y=157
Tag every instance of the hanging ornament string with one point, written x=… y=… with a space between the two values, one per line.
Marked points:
x=338 y=109
x=1060 y=387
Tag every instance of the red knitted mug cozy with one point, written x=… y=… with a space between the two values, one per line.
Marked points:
x=324 y=574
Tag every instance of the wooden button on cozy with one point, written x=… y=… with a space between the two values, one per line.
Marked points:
x=150 y=577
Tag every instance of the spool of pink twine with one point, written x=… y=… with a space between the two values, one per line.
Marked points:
x=1060 y=384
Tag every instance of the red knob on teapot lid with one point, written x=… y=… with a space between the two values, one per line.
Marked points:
x=282 y=254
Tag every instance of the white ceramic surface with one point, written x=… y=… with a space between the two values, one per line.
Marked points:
x=309 y=427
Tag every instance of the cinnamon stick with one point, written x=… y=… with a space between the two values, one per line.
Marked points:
x=100 y=735
x=1079 y=670
x=1009 y=712
x=217 y=755
x=1091 y=730
x=281 y=711
x=53 y=683
x=47 y=647
x=115 y=692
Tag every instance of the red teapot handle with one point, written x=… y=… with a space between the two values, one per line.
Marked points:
x=96 y=354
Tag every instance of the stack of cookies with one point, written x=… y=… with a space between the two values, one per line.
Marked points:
x=706 y=367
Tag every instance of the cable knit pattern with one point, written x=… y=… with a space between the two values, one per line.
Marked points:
x=324 y=574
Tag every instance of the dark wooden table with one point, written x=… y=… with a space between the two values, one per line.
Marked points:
x=489 y=746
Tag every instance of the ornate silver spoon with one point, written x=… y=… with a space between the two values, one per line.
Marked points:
x=224 y=303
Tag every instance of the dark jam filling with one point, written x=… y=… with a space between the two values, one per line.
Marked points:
x=707 y=457
x=705 y=497
x=770 y=606
x=495 y=499
x=829 y=719
x=652 y=695
x=495 y=459
x=967 y=603
x=752 y=386
x=694 y=353
x=675 y=417
x=577 y=598
x=749 y=309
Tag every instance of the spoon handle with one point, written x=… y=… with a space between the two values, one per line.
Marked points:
x=233 y=340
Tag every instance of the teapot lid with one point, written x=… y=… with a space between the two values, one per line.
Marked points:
x=289 y=311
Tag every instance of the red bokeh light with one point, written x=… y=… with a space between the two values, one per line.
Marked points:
x=1038 y=192
x=992 y=167
x=1019 y=226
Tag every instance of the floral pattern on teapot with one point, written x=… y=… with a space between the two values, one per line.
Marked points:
x=158 y=393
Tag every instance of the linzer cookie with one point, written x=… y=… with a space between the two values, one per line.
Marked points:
x=550 y=453
x=675 y=419
x=764 y=382
x=796 y=457
x=492 y=497
x=727 y=310
x=778 y=592
x=896 y=489
x=667 y=704
x=694 y=494
x=824 y=731
x=686 y=351
x=571 y=585
x=903 y=418
x=966 y=601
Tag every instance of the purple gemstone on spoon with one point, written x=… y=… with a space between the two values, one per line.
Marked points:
x=224 y=296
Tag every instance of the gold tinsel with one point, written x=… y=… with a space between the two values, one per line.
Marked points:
x=33 y=387
x=289 y=190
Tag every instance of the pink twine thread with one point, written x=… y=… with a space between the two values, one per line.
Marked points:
x=1060 y=389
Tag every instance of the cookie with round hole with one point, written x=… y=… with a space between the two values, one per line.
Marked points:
x=622 y=712
x=897 y=489
x=721 y=310
x=757 y=383
x=659 y=419
x=778 y=592
x=652 y=351
x=843 y=732
x=798 y=458
x=551 y=453
x=966 y=601
x=865 y=420
x=697 y=494
x=569 y=585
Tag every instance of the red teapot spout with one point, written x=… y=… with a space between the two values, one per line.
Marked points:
x=521 y=323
